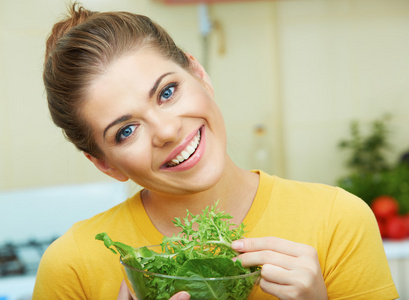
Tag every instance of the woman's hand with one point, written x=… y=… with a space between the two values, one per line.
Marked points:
x=124 y=294
x=289 y=270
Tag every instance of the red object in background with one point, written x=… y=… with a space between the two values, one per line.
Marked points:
x=382 y=228
x=384 y=207
x=391 y=224
x=406 y=222
x=396 y=228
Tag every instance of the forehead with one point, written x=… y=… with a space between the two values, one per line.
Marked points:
x=134 y=72
x=143 y=66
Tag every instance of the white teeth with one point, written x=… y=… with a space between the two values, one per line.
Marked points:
x=185 y=154
x=190 y=149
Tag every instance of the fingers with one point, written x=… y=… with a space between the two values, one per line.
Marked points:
x=180 y=296
x=269 y=243
x=279 y=290
x=296 y=286
x=285 y=254
x=262 y=257
x=124 y=293
x=275 y=274
x=272 y=250
x=289 y=270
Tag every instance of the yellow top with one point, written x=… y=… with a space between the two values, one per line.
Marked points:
x=340 y=226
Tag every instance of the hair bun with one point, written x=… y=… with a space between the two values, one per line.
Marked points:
x=77 y=14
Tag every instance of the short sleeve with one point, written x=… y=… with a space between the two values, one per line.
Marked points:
x=356 y=263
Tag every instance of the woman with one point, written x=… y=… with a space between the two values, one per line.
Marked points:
x=142 y=109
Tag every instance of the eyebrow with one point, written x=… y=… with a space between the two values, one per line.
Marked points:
x=155 y=86
x=127 y=117
x=117 y=121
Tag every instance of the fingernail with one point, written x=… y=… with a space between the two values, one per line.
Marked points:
x=184 y=296
x=237 y=245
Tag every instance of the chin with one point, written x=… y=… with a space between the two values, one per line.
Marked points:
x=200 y=182
x=207 y=179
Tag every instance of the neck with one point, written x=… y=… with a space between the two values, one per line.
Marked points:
x=235 y=192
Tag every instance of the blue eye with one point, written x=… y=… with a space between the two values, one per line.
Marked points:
x=167 y=92
x=124 y=133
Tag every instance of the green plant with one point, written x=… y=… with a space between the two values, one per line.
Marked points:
x=370 y=173
x=395 y=182
x=368 y=152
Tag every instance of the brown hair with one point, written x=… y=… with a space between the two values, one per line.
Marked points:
x=80 y=48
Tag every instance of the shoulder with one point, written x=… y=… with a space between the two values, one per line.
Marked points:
x=306 y=193
x=334 y=208
x=80 y=239
x=339 y=225
x=67 y=263
x=312 y=207
x=59 y=270
x=66 y=250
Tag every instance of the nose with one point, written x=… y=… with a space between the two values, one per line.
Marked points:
x=165 y=128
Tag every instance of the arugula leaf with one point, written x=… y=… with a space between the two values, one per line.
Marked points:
x=202 y=249
x=214 y=229
x=128 y=253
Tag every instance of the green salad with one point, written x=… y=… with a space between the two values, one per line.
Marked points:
x=202 y=249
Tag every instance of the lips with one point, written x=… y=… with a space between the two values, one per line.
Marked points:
x=187 y=154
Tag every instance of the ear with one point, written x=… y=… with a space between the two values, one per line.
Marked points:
x=104 y=167
x=198 y=71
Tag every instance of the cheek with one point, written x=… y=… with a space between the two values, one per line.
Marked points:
x=202 y=105
x=134 y=159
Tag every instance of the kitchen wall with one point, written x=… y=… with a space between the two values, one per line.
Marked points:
x=340 y=60
x=302 y=68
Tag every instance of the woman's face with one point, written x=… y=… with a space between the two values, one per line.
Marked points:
x=157 y=124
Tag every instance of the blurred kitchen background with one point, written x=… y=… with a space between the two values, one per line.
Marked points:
x=289 y=77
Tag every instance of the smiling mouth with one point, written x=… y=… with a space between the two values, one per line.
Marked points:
x=186 y=153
